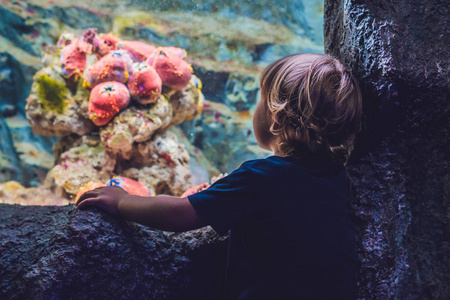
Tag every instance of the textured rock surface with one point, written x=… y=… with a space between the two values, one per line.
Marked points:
x=83 y=162
x=163 y=163
x=399 y=50
x=60 y=253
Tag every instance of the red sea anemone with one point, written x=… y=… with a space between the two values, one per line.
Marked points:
x=144 y=84
x=140 y=51
x=108 y=42
x=106 y=100
x=115 y=66
x=174 y=71
x=73 y=58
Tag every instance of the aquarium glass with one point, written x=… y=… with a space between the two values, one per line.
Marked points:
x=47 y=120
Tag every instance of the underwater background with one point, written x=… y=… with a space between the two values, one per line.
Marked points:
x=228 y=43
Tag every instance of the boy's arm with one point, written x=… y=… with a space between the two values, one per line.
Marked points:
x=160 y=212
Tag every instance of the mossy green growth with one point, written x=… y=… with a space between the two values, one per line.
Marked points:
x=52 y=93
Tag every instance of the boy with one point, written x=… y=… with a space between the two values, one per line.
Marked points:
x=291 y=236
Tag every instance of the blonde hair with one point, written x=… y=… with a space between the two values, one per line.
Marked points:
x=314 y=105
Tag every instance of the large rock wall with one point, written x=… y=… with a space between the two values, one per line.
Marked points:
x=399 y=50
x=51 y=252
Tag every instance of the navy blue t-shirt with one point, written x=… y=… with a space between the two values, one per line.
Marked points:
x=291 y=234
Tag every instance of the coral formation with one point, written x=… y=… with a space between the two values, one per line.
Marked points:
x=145 y=84
x=170 y=65
x=106 y=100
x=119 y=137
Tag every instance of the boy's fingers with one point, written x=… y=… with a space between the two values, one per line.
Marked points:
x=86 y=202
x=88 y=194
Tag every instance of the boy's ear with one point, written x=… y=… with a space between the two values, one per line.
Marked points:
x=276 y=122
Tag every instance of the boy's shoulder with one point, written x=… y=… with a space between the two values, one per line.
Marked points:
x=262 y=164
x=287 y=164
x=268 y=161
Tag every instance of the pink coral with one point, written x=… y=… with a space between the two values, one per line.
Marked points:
x=145 y=84
x=170 y=65
x=90 y=36
x=115 y=66
x=140 y=51
x=73 y=58
x=131 y=186
x=106 y=100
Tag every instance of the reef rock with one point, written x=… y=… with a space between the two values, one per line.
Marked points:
x=163 y=163
x=135 y=124
x=79 y=165
x=53 y=110
x=52 y=252
x=399 y=52
x=187 y=104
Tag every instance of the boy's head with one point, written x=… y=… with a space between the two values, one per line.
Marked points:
x=310 y=104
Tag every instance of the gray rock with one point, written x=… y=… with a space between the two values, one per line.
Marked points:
x=55 y=252
x=14 y=84
x=13 y=27
x=399 y=51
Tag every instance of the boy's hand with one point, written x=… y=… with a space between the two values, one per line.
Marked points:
x=106 y=198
